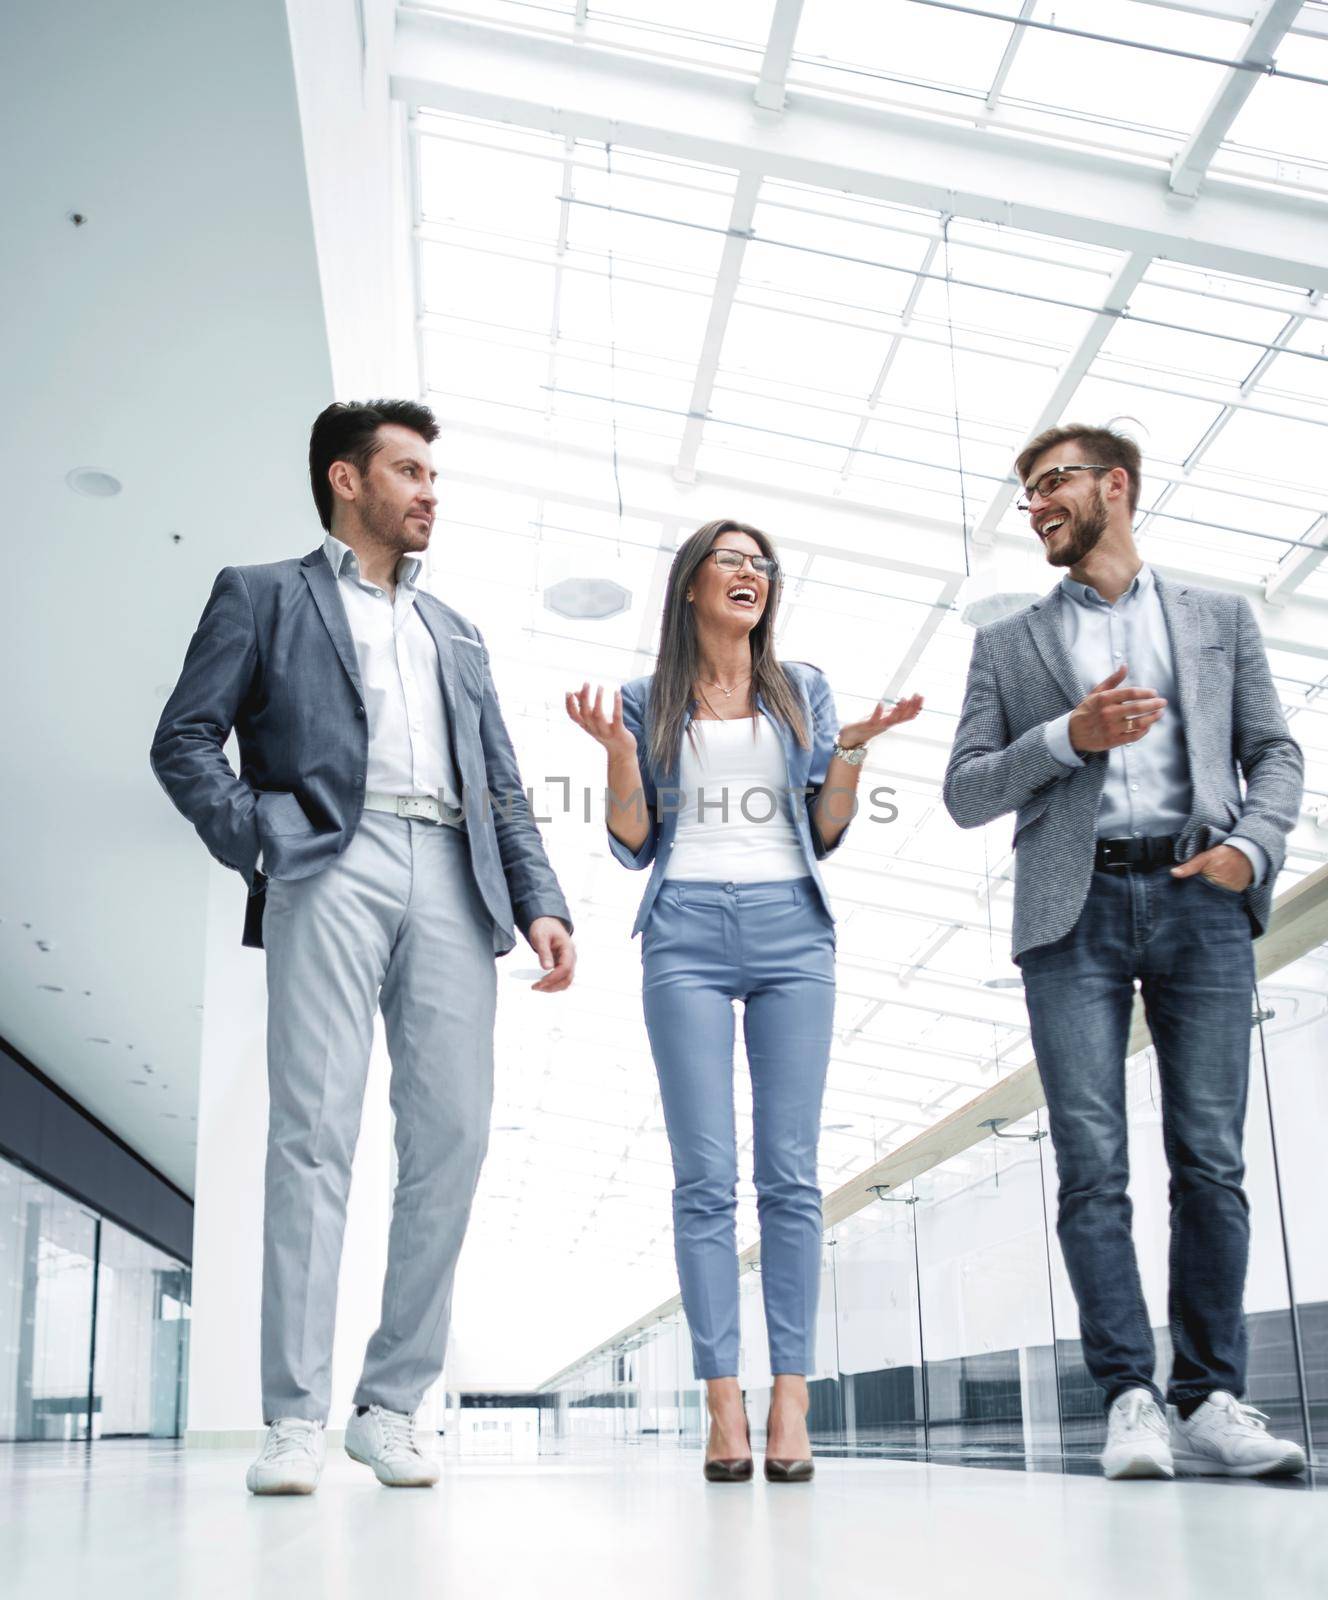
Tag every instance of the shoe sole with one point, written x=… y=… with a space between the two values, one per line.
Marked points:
x=286 y=1489
x=1288 y=1465
x=1141 y=1466
x=392 y=1483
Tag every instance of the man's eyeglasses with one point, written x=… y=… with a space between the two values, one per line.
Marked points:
x=1050 y=481
x=732 y=560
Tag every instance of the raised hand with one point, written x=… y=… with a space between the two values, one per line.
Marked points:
x=853 y=734
x=1109 y=716
x=607 y=727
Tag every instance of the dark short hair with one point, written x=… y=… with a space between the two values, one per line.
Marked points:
x=1103 y=445
x=348 y=431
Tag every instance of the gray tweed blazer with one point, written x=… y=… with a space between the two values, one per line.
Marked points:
x=1021 y=676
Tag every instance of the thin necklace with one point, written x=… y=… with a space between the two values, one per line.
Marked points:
x=726 y=692
x=715 y=714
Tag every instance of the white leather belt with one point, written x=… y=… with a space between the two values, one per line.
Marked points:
x=414 y=807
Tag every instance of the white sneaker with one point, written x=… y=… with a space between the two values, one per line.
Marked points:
x=1137 y=1442
x=386 y=1441
x=291 y=1459
x=1228 y=1439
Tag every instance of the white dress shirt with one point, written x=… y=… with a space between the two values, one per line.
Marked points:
x=733 y=821
x=1147 y=790
x=409 y=752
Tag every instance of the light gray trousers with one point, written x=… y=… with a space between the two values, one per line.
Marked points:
x=396 y=920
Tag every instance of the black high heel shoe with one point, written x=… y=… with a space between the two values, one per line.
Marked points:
x=801 y=1469
x=730 y=1469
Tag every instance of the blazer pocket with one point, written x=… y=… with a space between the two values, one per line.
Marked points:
x=1030 y=813
x=280 y=815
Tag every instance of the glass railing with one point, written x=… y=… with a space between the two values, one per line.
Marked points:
x=947 y=1326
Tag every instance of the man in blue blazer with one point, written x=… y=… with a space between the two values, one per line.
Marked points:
x=381 y=825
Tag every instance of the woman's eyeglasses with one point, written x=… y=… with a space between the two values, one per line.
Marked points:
x=732 y=560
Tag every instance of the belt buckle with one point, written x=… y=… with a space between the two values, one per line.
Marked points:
x=1115 y=855
x=423 y=808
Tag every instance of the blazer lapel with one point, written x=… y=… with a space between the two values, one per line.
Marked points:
x=323 y=585
x=447 y=664
x=1183 y=629
x=1044 y=623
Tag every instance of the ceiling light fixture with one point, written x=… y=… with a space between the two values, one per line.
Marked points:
x=93 y=483
x=587 y=599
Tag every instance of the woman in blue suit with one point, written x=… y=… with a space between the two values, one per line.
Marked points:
x=730 y=772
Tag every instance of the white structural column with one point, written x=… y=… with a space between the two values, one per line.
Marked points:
x=721 y=305
x=1297 y=567
x=1271 y=25
x=1122 y=286
x=990 y=173
x=770 y=91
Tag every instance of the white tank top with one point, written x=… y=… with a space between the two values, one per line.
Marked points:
x=743 y=831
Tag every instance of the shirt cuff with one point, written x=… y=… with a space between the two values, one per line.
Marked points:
x=1057 y=735
x=1255 y=854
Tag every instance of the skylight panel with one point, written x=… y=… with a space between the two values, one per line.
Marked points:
x=649 y=219
x=981 y=386
x=1168 y=425
x=1270 y=450
x=636 y=316
x=1116 y=83
x=1287 y=118
x=1301 y=379
x=843 y=46
x=470 y=186
x=731 y=37
x=486 y=287
x=812 y=351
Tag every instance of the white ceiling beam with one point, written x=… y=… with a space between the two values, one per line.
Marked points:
x=1017 y=37
x=770 y=90
x=1072 y=374
x=930 y=547
x=981 y=173
x=1312 y=24
x=1284 y=582
x=721 y=308
x=1267 y=31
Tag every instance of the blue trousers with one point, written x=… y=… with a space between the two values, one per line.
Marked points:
x=772 y=946
x=1188 y=942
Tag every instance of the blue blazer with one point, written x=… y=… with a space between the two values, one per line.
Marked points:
x=806 y=770
x=273 y=658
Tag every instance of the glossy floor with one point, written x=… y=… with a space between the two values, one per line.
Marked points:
x=156 y=1520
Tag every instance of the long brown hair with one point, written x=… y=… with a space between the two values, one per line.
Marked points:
x=679 y=659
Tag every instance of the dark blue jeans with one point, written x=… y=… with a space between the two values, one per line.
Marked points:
x=1189 y=944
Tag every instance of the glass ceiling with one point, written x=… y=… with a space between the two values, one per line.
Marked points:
x=874 y=370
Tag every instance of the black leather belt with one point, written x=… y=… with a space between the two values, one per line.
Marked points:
x=1135 y=855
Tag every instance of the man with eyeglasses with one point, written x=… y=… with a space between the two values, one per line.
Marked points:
x=1139 y=859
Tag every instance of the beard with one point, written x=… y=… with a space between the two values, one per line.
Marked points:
x=1084 y=535
x=385 y=526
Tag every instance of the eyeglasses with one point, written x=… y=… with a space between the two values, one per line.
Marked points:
x=732 y=560
x=1050 y=481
